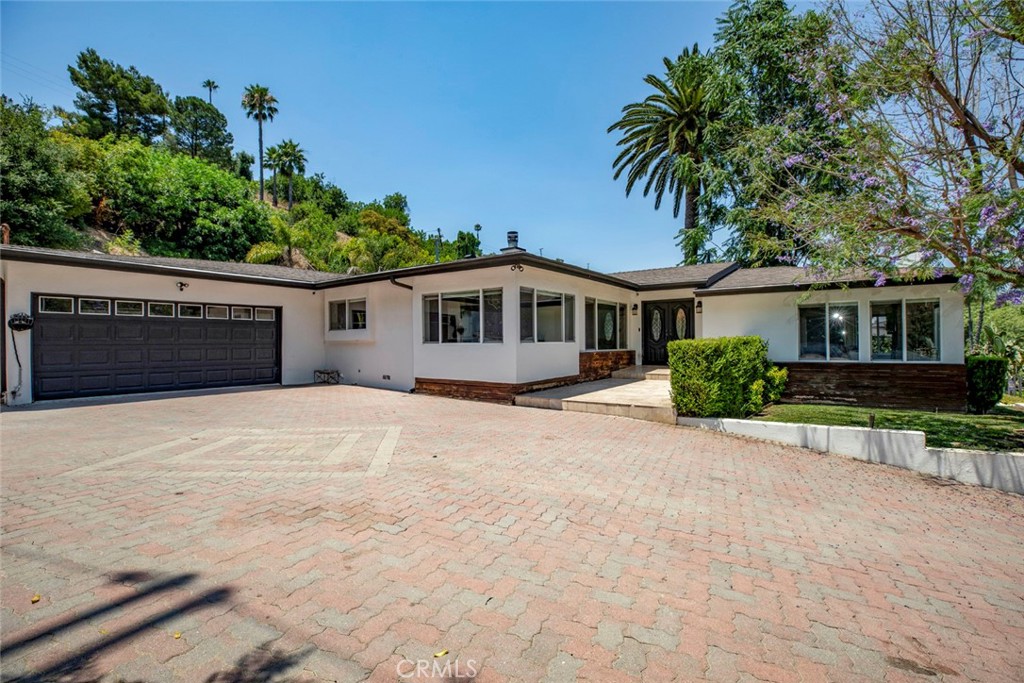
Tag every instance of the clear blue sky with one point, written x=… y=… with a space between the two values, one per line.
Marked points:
x=491 y=113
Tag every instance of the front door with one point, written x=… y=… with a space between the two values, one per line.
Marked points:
x=665 y=321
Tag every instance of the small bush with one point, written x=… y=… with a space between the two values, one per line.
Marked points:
x=723 y=377
x=986 y=381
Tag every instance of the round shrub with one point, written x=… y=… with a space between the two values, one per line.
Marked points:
x=986 y=381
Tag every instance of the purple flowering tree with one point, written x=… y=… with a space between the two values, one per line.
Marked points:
x=923 y=169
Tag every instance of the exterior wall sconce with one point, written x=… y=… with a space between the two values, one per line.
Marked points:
x=181 y=285
x=700 y=306
x=636 y=308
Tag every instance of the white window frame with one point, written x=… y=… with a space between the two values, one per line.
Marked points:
x=439 y=295
x=245 y=311
x=562 y=320
x=191 y=317
x=142 y=308
x=89 y=298
x=57 y=298
x=263 y=311
x=225 y=308
x=903 y=329
x=151 y=314
x=828 y=332
x=346 y=317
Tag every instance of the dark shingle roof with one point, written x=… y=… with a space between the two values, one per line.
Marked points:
x=679 y=275
x=781 y=278
x=222 y=269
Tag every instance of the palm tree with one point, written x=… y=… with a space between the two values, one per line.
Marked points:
x=259 y=104
x=293 y=160
x=273 y=162
x=663 y=138
x=211 y=85
x=286 y=246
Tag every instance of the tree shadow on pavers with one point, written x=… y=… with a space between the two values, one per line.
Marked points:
x=79 y=667
x=262 y=665
x=9 y=647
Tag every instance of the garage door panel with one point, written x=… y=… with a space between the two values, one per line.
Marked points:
x=129 y=381
x=87 y=357
x=161 y=332
x=56 y=359
x=266 y=374
x=57 y=331
x=217 y=354
x=130 y=332
x=132 y=356
x=98 y=382
x=162 y=378
x=217 y=376
x=89 y=332
x=188 y=378
x=190 y=333
x=76 y=354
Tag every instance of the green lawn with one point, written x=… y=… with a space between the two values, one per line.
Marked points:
x=1000 y=430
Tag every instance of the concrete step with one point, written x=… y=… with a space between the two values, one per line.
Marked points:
x=655 y=372
x=665 y=415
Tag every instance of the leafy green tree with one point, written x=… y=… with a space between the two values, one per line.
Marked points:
x=933 y=147
x=373 y=252
x=663 y=141
x=467 y=245
x=116 y=100
x=210 y=86
x=260 y=105
x=272 y=160
x=174 y=204
x=41 y=194
x=292 y=160
x=241 y=164
x=759 y=83
x=200 y=130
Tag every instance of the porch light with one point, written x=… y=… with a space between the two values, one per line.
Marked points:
x=700 y=307
x=636 y=308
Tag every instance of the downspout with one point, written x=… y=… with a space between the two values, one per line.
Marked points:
x=396 y=283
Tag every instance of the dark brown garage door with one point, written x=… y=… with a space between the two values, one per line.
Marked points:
x=95 y=346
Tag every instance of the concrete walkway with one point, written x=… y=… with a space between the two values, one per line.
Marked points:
x=335 y=533
x=640 y=392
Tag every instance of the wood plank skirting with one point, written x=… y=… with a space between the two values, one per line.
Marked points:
x=928 y=386
x=493 y=392
x=593 y=365
x=601 y=364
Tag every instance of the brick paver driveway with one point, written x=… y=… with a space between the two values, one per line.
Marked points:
x=339 y=533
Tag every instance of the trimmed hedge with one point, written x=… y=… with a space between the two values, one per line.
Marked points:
x=986 y=382
x=723 y=376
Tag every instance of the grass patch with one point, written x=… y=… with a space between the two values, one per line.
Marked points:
x=1010 y=400
x=1000 y=430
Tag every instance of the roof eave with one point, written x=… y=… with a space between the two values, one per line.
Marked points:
x=147 y=268
x=800 y=287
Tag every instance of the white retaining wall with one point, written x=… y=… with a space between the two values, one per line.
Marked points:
x=906 y=449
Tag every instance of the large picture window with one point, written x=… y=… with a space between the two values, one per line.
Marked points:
x=546 y=316
x=905 y=330
x=604 y=325
x=467 y=317
x=348 y=315
x=829 y=332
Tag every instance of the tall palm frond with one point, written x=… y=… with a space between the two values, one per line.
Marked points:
x=261 y=106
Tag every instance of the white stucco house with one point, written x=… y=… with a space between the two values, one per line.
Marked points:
x=487 y=327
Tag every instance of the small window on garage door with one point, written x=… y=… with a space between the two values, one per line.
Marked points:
x=56 y=304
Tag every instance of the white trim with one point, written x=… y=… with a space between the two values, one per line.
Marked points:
x=87 y=298
x=151 y=304
x=191 y=317
x=227 y=312
x=57 y=298
x=140 y=314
